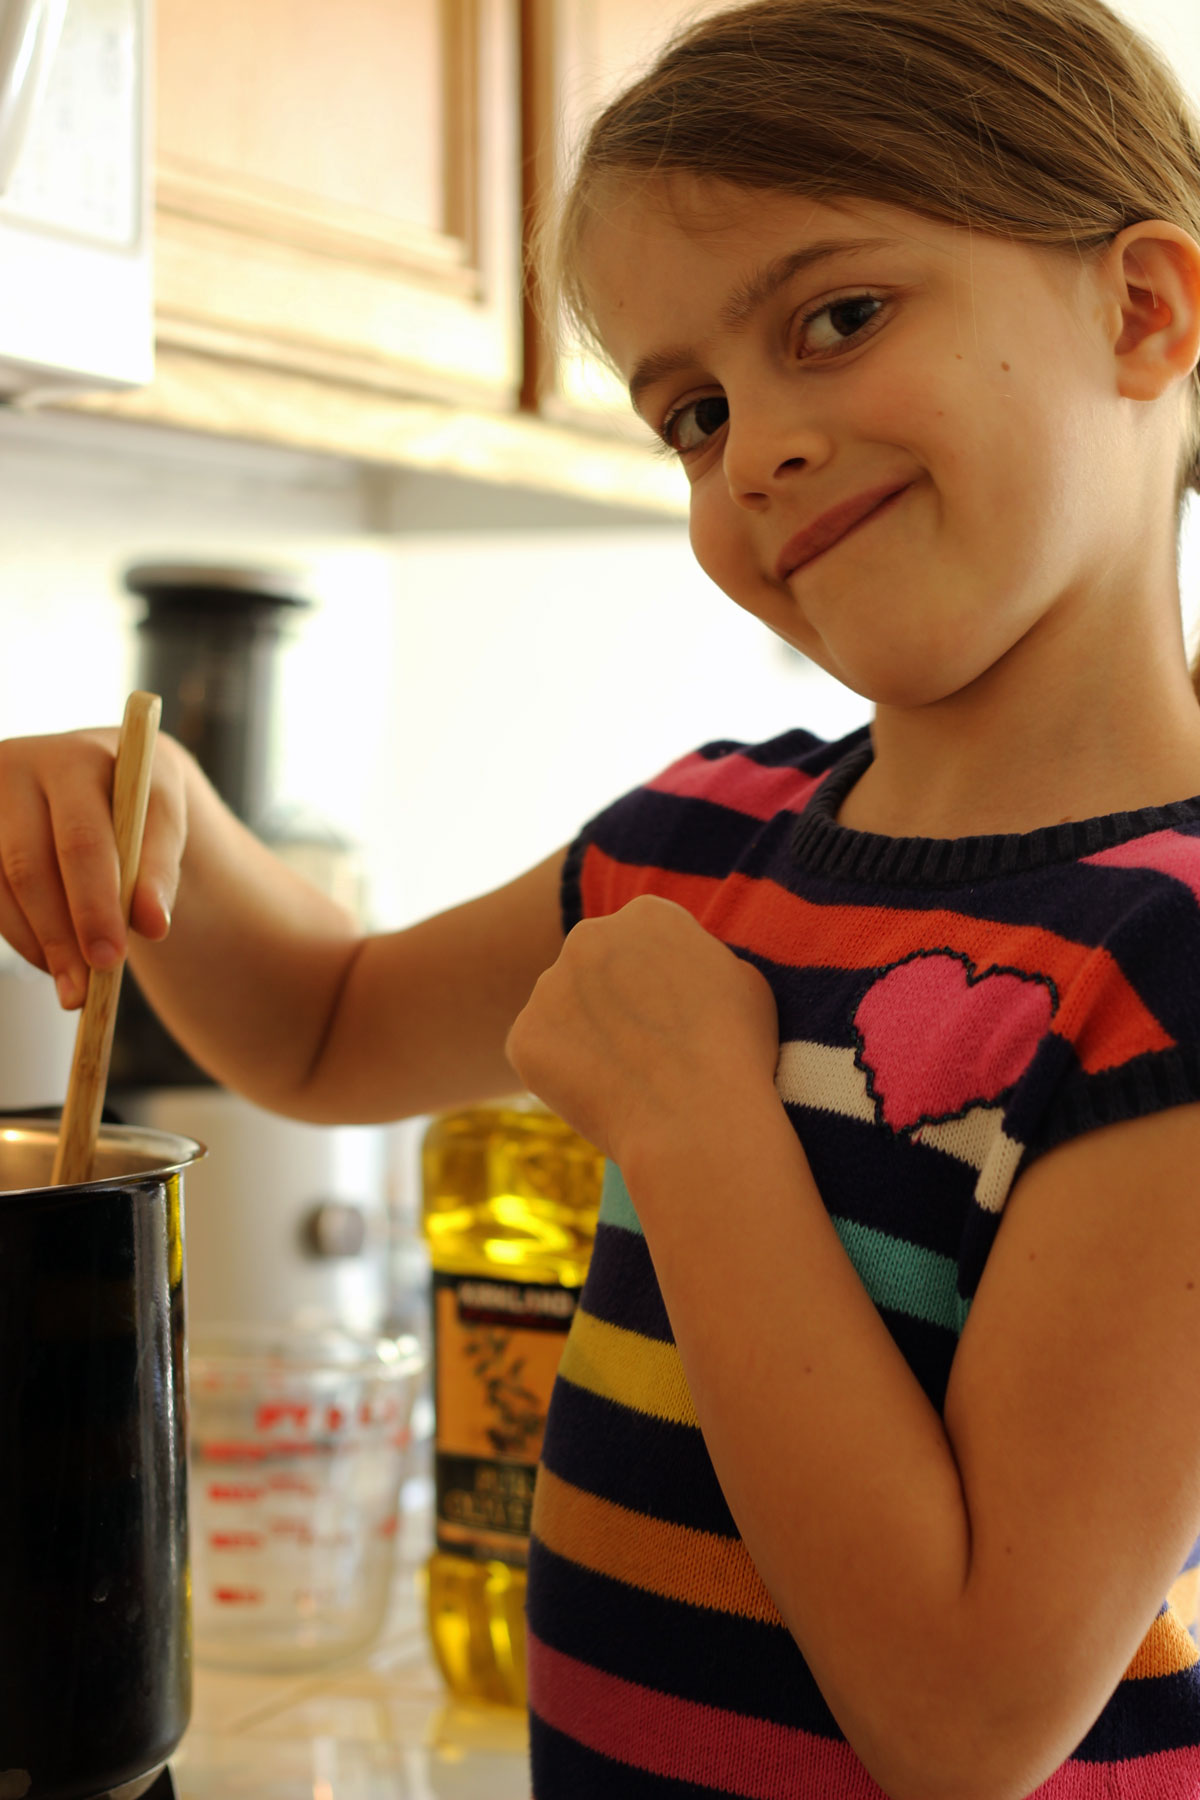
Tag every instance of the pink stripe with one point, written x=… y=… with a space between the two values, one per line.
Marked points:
x=739 y=783
x=685 y=1740
x=1168 y=1775
x=1167 y=851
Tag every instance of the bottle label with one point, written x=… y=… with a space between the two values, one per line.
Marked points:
x=497 y=1346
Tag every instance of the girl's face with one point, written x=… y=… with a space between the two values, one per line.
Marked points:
x=905 y=442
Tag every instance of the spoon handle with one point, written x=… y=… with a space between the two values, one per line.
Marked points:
x=80 y=1126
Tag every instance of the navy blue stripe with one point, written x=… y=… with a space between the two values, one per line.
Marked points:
x=565 y=1770
x=1159 y=1712
x=695 y=1653
x=882 y=1179
x=682 y=832
x=621 y=1286
x=927 y=1349
x=663 y=1469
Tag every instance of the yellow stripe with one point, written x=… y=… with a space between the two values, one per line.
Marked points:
x=635 y=1371
x=1166 y=1649
x=696 y=1567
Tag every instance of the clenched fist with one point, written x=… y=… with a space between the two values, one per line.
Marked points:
x=645 y=1021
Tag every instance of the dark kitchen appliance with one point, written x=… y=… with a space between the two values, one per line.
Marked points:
x=209 y=644
x=289 y=1220
x=95 y=1627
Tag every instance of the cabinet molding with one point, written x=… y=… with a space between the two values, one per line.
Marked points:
x=275 y=406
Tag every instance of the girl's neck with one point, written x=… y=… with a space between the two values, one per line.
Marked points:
x=1109 y=735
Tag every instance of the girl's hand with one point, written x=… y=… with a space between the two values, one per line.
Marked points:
x=60 y=901
x=646 y=1020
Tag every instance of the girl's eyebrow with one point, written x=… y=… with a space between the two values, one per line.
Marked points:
x=745 y=301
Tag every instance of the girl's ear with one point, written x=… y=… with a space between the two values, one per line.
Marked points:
x=1154 y=267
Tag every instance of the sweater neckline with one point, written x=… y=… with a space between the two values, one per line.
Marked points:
x=824 y=847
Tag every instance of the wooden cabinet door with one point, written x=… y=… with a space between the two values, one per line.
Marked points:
x=579 y=54
x=338 y=190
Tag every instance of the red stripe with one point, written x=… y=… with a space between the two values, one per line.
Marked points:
x=739 y=783
x=683 y=1740
x=1103 y=1017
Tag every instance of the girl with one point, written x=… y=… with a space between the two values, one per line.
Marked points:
x=874 y=1460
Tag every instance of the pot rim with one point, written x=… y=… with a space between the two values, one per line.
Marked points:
x=167 y=1153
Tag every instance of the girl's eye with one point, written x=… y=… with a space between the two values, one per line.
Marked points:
x=835 y=323
x=690 y=427
x=823 y=332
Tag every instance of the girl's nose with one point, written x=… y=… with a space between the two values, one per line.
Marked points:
x=767 y=445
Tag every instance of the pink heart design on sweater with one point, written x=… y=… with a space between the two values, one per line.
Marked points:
x=936 y=1039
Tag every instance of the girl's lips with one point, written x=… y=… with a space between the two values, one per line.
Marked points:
x=832 y=526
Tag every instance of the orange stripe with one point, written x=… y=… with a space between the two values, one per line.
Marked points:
x=759 y=915
x=1184 y=1597
x=1166 y=1649
x=673 y=1561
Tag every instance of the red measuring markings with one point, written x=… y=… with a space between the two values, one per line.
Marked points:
x=293 y=1528
x=243 y=1452
x=283 y=1483
x=277 y=1412
x=232 y=1596
x=235 y=1540
x=233 y=1490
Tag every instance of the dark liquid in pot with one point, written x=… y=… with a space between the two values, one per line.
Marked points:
x=95 y=1649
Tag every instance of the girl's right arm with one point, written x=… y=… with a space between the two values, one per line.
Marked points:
x=266 y=982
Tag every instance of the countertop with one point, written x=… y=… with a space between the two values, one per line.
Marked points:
x=377 y=1726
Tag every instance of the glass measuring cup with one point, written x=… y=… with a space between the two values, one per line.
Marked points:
x=299 y=1444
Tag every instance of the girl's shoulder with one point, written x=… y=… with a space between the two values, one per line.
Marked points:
x=697 y=816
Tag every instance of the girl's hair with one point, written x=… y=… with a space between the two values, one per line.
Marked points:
x=1047 y=121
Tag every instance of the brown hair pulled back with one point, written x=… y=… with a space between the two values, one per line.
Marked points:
x=1047 y=121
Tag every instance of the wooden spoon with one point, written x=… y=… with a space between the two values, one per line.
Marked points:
x=80 y=1125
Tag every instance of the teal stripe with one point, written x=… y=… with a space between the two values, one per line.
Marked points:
x=901 y=1276
x=616 y=1208
x=904 y=1277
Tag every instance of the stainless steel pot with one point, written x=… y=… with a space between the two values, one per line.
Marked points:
x=95 y=1629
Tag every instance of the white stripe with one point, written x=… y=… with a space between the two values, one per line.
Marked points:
x=823 y=1076
x=970 y=1138
x=996 y=1177
x=829 y=1079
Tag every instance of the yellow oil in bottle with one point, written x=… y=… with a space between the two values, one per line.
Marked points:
x=511 y=1195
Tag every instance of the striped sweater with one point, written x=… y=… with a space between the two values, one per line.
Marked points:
x=949 y=1010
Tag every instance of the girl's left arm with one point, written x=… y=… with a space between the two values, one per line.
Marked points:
x=969 y=1588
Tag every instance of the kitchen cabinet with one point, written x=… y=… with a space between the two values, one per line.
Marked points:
x=339 y=206
x=337 y=190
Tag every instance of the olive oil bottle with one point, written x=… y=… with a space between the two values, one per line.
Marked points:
x=511 y=1195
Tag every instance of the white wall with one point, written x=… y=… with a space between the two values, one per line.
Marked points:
x=1175 y=27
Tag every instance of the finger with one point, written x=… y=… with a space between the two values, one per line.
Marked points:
x=162 y=854
x=34 y=913
x=79 y=797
